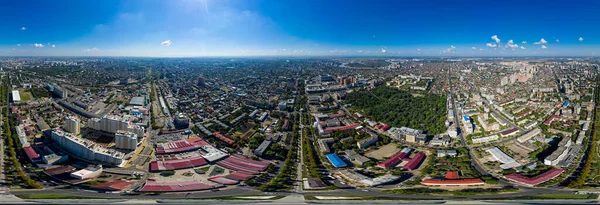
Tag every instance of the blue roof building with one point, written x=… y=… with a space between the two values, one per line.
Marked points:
x=566 y=104
x=336 y=161
x=466 y=118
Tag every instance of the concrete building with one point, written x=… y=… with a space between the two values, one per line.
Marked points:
x=364 y=143
x=88 y=173
x=73 y=125
x=126 y=140
x=86 y=149
x=529 y=135
x=560 y=153
x=181 y=121
x=507 y=161
x=16 y=96
x=262 y=148
x=485 y=139
x=112 y=124
x=443 y=153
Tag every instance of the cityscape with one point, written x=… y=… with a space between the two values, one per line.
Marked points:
x=490 y=123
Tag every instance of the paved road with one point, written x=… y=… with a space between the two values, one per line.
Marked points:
x=463 y=141
x=510 y=122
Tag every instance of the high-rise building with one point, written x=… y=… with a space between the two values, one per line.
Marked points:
x=181 y=121
x=87 y=150
x=112 y=124
x=72 y=125
x=125 y=140
x=201 y=81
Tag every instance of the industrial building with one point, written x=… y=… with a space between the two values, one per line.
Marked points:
x=15 y=95
x=507 y=161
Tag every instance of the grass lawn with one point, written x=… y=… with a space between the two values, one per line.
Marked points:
x=202 y=170
x=25 y=96
x=50 y=196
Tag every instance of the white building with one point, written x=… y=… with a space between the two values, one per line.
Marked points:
x=529 y=135
x=112 y=124
x=485 y=139
x=86 y=149
x=507 y=161
x=16 y=96
x=72 y=125
x=88 y=173
x=126 y=140
x=559 y=154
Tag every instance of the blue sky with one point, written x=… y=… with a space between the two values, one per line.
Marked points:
x=173 y=28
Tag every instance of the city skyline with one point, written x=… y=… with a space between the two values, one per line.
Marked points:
x=299 y=28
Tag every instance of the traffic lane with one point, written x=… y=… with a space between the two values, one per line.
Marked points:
x=377 y=193
x=92 y=194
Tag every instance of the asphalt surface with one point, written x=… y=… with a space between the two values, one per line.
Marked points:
x=463 y=141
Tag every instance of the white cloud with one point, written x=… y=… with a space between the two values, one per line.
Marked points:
x=23 y=28
x=450 y=50
x=491 y=45
x=473 y=48
x=544 y=47
x=91 y=50
x=166 y=43
x=38 y=45
x=495 y=38
x=524 y=42
x=383 y=50
x=19 y=45
x=513 y=46
x=542 y=41
x=580 y=39
x=510 y=42
x=558 y=41
x=523 y=48
x=53 y=46
x=481 y=49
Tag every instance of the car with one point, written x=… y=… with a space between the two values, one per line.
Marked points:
x=365 y=190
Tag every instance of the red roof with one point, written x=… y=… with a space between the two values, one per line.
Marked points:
x=118 y=185
x=33 y=156
x=181 y=145
x=393 y=160
x=551 y=119
x=239 y=176
x=223 y=180
x=243 y=164
x=286 y=124
x=152 y=186
x=223 y=138
x=383 y=126
x=464 y=182
x=452 y=175
x=177 y=164
x=339 y=128
x=414 y=162
x=532 y=181
x=339 y=114
x=520 y=115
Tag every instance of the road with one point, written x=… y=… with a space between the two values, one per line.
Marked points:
x=511 y=123
x=298 y=184
x=463 y=141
